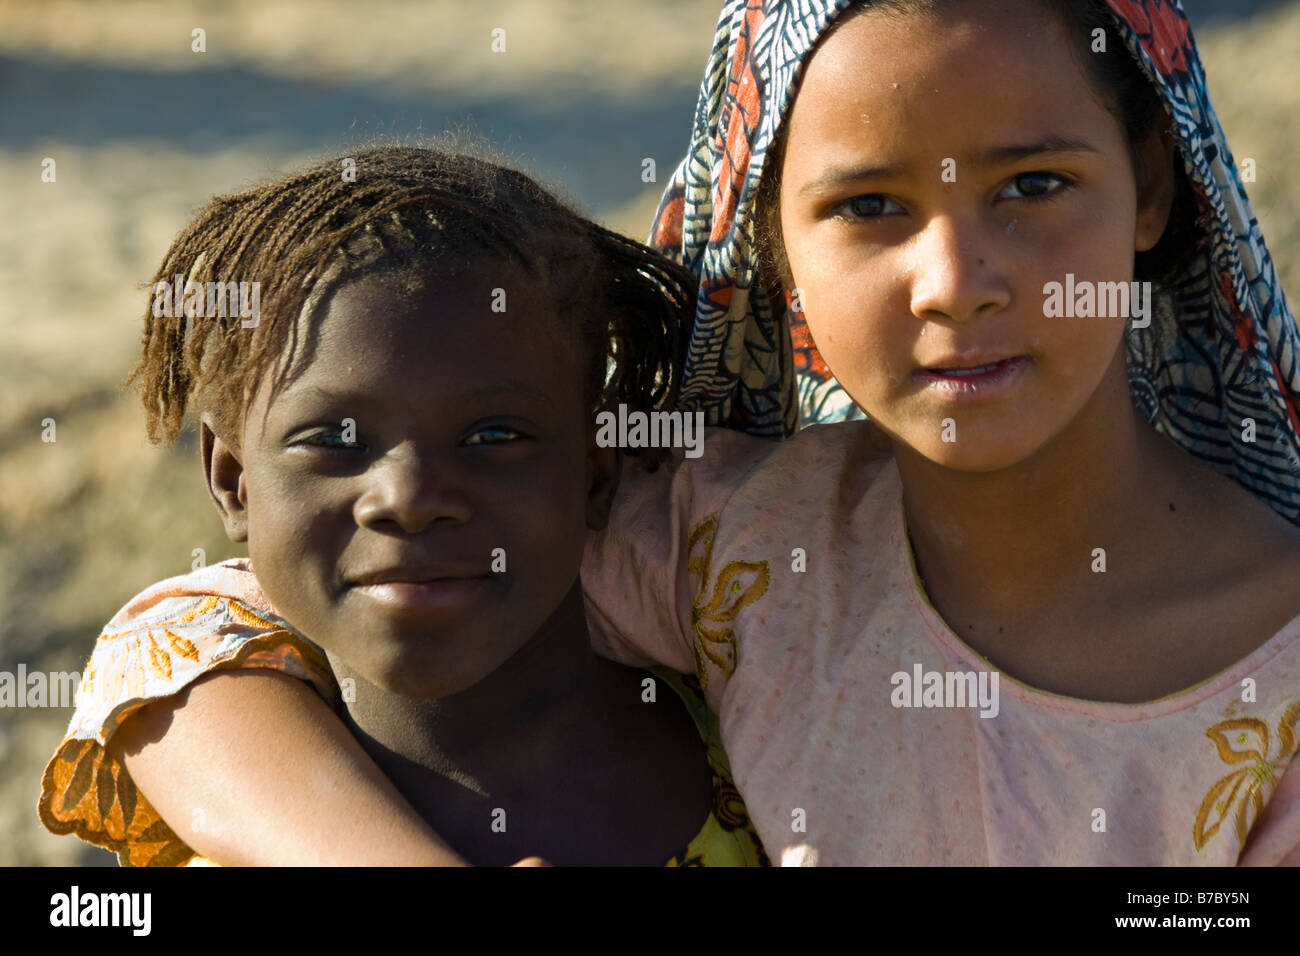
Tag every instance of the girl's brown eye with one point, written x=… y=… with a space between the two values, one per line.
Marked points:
x=1038 y=185
x=871 y=206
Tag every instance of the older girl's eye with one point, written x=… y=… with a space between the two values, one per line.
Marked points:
x=492 y=435
x=872 y=206
x=1037 y=186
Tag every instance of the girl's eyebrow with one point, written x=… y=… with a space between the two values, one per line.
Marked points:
x=488 y=390
x=839 y=176
x=327 y=395
x=1048 y=144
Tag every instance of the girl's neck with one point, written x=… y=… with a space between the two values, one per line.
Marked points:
x=995 y=544
x=489 y=736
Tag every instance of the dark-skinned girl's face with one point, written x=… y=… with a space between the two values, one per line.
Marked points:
x=939 y=172
x=471 y=454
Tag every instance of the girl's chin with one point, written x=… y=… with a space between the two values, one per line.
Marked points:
x=975 y=453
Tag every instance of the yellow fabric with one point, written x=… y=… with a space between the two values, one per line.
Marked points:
x=727 y=837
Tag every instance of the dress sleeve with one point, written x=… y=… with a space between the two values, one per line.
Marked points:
x=164 y=639
x=654 y=593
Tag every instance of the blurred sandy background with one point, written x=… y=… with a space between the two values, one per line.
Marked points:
x=144 y=131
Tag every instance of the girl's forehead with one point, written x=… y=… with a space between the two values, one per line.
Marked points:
x=382 y=330
x=982 y=70
x=883 y=47
x=408 y=301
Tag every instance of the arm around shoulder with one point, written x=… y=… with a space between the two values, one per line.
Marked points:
x=644 y=576
x=253 y=768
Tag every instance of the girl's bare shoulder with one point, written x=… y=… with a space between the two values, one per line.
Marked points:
x=1253 y=553
x=1223 y=580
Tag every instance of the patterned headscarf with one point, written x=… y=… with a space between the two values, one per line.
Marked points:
x=1231 y=351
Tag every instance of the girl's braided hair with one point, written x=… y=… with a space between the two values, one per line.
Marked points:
x=417 y=211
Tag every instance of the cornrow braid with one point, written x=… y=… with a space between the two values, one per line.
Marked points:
x=417 y=211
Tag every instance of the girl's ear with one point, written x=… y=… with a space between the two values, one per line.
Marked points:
x=224 y=474
x=604 y=467
x=1155 y=186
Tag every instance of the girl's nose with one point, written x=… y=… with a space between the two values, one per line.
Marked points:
x=412 y=491
x=956 y=272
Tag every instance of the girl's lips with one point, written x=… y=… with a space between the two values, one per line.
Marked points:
x=979 y=383
x=441 y=596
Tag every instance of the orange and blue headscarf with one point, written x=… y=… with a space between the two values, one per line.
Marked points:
x=1230 y=352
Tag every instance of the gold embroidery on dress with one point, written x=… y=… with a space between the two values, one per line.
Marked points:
x=1238 y=741
x=738 y=585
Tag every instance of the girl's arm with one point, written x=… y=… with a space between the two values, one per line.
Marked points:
x=253 y=768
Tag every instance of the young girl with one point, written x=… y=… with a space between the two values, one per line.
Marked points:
x=413 y=466
x=1011 y=620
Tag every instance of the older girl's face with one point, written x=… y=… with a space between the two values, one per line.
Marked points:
x=939 y=172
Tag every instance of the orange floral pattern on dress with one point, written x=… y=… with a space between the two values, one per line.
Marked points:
x=85 y=790
x=738 y=585
x=97 y=800
x=1244 y=740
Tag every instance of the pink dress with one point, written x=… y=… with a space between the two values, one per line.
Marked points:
x=782 y=574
